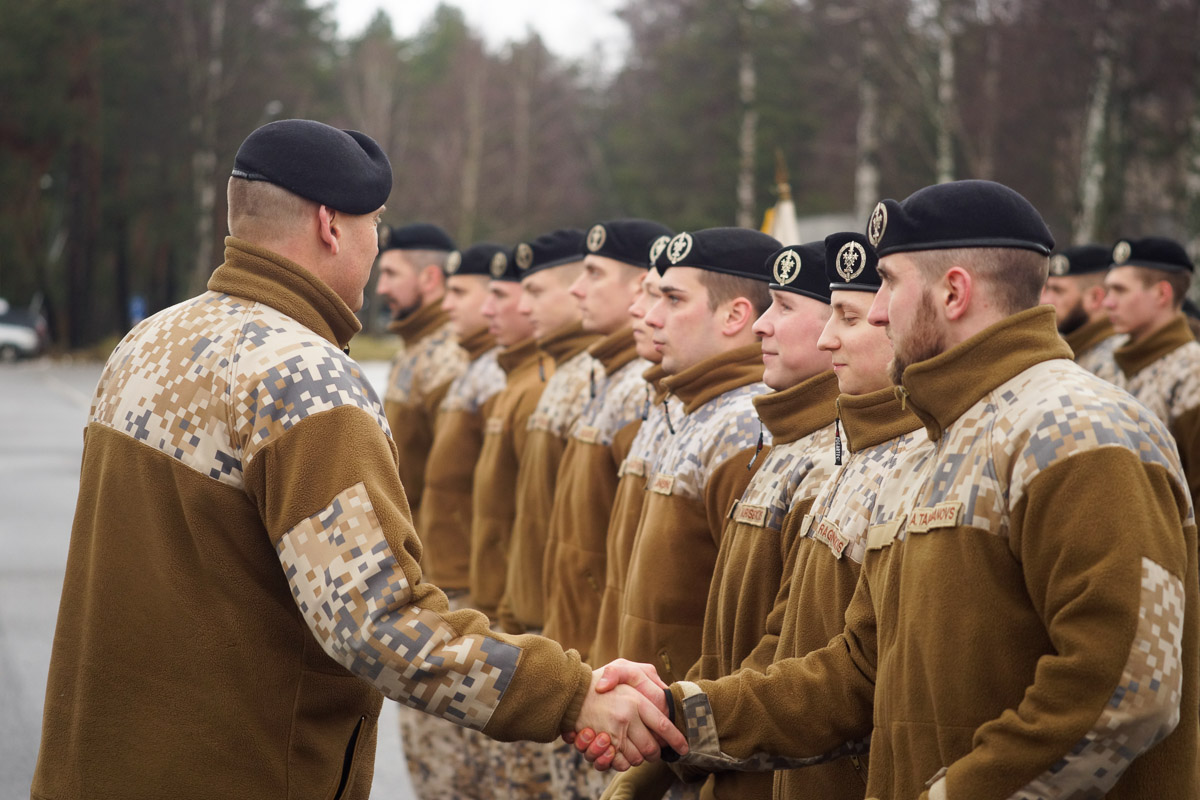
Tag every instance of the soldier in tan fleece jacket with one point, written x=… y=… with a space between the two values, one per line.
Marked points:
x=1075 y=287
x=647 y=444
x=412 y=279
x=1160 y=361
x=1025 y=622
x=445 y=761
x=243 y=585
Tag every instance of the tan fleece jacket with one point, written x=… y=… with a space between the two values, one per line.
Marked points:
x=584 y=492
x=445 y=512
x=1014 y=632
x=644 y=450
x=243 y=578
x=561 y=404
x=494 y=488
x=420 y=377
x=701 y=472
x=1093 y=345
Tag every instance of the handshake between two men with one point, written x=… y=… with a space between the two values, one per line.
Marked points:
x=625 y=718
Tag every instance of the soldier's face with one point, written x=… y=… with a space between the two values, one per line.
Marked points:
x=398 y=283
x=683 y=328
x=463 y=303
x=547 y=301
x=789 y=330
x=1133 y=305
x=1066 y=295
x=646 y=295
x=904 y=307
x=861 y=352
x=506 y=324
x=604 y=289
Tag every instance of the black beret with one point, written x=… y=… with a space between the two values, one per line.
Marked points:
x=959 y=214
x=627 y=240
x=800 y=268
x=564 y=246
x=417 y=236
x=1155 y=252
x=1082 y=259
x=484 y=259
x=733 y=251
x=344 y=170
x=851 y=262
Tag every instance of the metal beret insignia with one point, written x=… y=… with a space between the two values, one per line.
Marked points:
x=385 y=233
x=679 y=248
x=787 y=267
x=453 y=262
x=524 y=256
x=851 y=261
x=596 y=237
x=1060 y=265
x=498 y=265
x=877 y=224
x=1121 y=252
x=657 y=248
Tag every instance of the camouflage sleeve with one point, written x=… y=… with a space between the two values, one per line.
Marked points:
x=1109 y=582
x=324 y=478
x=797 y=713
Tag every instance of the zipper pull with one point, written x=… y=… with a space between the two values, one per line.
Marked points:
x=667 y=411
x=592 y=381
x=902 y=393
x=646 y=405
x=758 y=447
x=541 y=369
x=837 y=442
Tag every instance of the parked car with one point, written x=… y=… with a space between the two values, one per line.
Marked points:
x=23 y=333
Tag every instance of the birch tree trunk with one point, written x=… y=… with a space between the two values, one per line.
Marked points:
x=523 y=129
x=747 y=135
x=1092 y=166
x=205 y=84
x=472 y=159
x=866 y=167
x=944 y=111
x=1192 y=176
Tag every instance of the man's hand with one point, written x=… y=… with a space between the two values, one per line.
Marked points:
x=631 y=718
x=608 y=748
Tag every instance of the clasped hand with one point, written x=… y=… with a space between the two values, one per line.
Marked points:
x=624 y=721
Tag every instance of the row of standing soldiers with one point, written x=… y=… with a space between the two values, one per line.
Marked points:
x=617 y=438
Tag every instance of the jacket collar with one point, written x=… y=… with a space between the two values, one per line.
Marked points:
x=615 y=350
x=1088 y=335
x=477 y=343
x=1133 y=358
x=939 y=390
x=799 y=410
x=715 y=376
x=515 y=356
x=419 y=324
x=567 y=342
x=259 y=275
x=874 y=418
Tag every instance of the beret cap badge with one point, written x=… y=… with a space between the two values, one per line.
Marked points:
x=524 y=256
x=1122 y=252
x=657 y=248
x=851 y=260
x=877 y=224
x=787 y=267
x=1060 y=265
x=453 y=262
x=679 y=248
x=595 y=238
x=499 y=265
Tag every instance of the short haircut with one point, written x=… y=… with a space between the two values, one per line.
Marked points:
x=723 y=287
x=261 y=211
x=1015 y=276
x=420 y=259
x=1179 y=282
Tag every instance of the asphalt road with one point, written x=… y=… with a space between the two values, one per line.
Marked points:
x=43 y=408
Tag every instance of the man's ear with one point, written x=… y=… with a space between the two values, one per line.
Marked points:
x=430 y=279
x=957 y=287
x=738 y=315
x=327 y=228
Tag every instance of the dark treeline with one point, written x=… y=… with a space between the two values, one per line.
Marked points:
x=119 y=121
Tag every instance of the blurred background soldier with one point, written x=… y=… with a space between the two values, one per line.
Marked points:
x=617 y=260
x=1075 y=288
x=1147 y=285
x=412 y=278
x=452 y=761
